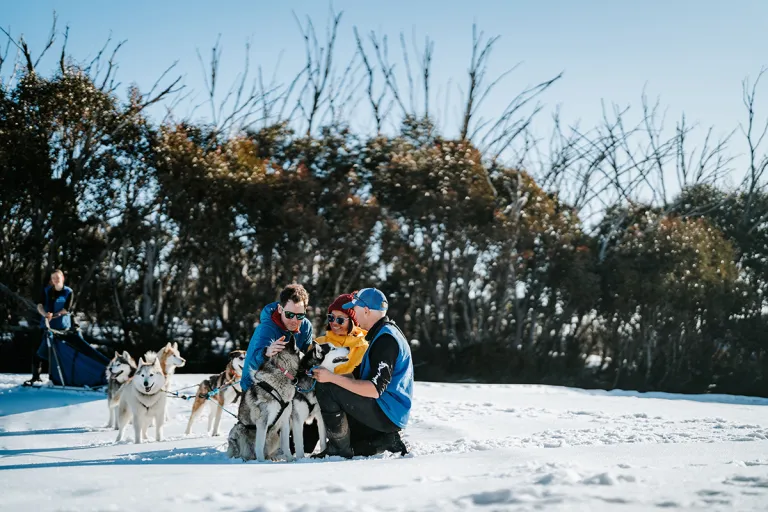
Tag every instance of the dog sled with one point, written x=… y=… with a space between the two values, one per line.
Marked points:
x=73 y=364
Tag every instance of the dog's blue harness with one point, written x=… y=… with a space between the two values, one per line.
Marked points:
x=314 y=382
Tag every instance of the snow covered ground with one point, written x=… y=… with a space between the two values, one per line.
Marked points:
x=474 y=447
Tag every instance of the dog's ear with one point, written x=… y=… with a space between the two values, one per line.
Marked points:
x=168 y=345
x=141 y=361
x=175 y=345
x=126 y=354
x=116 y=354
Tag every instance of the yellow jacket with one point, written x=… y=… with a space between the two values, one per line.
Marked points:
x=354 y=341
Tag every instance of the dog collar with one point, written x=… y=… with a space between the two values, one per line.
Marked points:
x=285 y=372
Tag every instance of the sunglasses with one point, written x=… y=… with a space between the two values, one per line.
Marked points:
x=290 y=315
x=338 y=319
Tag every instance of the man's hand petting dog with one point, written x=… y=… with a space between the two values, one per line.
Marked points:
x=322 y=375
x=275 y=347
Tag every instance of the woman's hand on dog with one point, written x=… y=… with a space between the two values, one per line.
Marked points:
x=275 y=347
x=322 y=375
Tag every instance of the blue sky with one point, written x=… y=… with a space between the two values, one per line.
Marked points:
x=694 y=54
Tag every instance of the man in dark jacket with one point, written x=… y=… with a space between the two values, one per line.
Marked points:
x=54 y=308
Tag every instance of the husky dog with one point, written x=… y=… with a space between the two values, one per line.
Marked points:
x=266 y=406
x=229 y=379
x=241 y=442
x=305 y=406
x=119 y=371
x=143 y=399
x=170 y=359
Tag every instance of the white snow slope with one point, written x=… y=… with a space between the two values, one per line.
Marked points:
x=473 y=447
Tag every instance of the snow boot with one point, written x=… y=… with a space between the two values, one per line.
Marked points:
x=37 y=369
x=337 y=429
x=380 y=443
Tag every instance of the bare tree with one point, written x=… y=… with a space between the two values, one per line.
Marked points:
x=477 y=91
x=318 y=69
x=706 y=165
x=343 y=92
x=240 y=103
x=754 y=135
x=376 y=99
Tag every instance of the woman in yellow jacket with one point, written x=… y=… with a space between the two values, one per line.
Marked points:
x=343 y=331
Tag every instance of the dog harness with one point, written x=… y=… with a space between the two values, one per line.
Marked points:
x=310 y=388
x=266 y=386
x=238 y=394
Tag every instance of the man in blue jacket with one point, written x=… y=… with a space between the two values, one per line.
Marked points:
x=364 y=415
x=278 y=322
x=54 y=308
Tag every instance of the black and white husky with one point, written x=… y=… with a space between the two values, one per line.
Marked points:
x=120 y=370
x=305 y=408
x=266 y=409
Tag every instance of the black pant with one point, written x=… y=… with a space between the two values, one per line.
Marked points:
x=311 y=436
x=365 y=417
x=38 y=365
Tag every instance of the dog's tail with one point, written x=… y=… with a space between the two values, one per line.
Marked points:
x=150 y=356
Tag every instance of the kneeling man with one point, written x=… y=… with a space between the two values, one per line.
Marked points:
x=364 y=415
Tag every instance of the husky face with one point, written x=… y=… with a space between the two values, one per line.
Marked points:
x=170 y=357
x=325 y=355
x=237 y=361
x=149 y=378
x=289 y=358
x=121 y=367
x=334 y=356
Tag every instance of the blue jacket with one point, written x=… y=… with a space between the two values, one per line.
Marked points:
x=61 y=323
x=266 y=332
x=396 y=399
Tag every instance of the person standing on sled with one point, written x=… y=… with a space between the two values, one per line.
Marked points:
x=343 y=331
x=54 y=307
x=365 y=416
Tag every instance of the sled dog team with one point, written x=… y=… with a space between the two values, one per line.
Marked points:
x=348 y=391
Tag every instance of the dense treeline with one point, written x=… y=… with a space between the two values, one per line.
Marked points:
x=614 y=257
